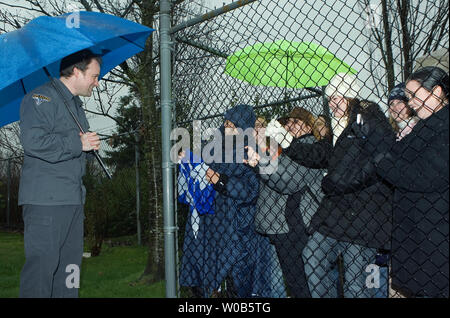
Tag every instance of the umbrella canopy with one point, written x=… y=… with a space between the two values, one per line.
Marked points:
x=285 y=64
x=44 y=41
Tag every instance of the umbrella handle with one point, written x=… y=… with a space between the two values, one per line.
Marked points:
x=96 y=154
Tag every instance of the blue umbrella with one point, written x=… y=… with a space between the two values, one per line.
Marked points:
x=27 y=53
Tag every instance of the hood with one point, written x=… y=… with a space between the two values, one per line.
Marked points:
x=242 y=116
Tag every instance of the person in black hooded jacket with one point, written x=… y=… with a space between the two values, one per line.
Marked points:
x=418 y=168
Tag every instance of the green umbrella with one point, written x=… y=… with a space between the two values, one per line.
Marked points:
x=285 y=64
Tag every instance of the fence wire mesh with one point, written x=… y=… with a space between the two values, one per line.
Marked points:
x=344 y=189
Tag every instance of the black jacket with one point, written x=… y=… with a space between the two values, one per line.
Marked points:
x=357 y=206
x=418 y=168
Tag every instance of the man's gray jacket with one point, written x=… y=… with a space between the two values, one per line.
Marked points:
x=54 y=162
x=287 y=178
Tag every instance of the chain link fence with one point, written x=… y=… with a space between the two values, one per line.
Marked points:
x=347 y=194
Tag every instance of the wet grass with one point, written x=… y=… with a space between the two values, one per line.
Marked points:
x=114 y=273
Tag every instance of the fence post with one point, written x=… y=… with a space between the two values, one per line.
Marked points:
x=166 y=125
x=138 y=199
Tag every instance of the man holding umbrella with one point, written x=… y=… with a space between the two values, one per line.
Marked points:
x=46 y=65
x=51 y=190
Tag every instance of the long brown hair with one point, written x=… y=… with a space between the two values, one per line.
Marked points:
x=322 y=122
x=353 y=103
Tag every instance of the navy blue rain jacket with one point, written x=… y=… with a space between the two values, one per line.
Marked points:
x=230 y=232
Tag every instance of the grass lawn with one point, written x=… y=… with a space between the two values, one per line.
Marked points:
x=11 y=262
x=112 y=274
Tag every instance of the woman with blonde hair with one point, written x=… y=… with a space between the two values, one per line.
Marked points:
x=321 y=128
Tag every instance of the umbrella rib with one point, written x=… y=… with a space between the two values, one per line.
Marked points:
x=47 y=73
x=268 y=64
x=122 y=37
x=23 y=86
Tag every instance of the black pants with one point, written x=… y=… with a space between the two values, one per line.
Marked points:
x=289 y=249
x=53 y=240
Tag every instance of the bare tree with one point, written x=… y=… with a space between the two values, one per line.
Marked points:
x=9 y=141
x=399 y=32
